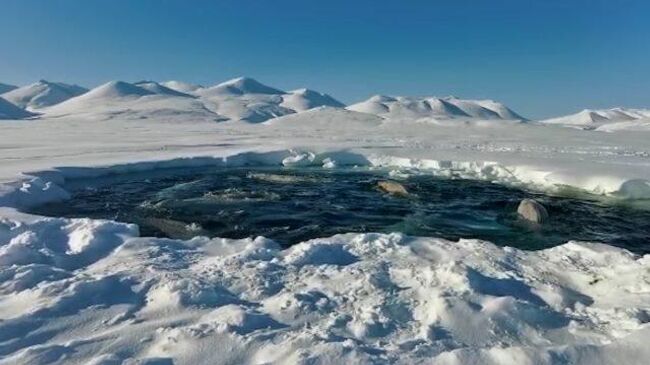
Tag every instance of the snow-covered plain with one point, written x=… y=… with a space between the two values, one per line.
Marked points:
x=80 y=291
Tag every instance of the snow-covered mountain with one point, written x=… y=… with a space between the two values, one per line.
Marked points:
x=240 y=99
x=103 y=95
x=595 y=119
x=248 y=100
x=146 y=99
x=241 y=86
x=304 y=99
x=6 y=88
x=42 y=94
x=10 y=111
x=401 y=107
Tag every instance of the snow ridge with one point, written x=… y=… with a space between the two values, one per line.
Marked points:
x=248 y=100
x=42 y=94
x=242 y=85
x=605 y=119
x=239 y=99
x=403 y=107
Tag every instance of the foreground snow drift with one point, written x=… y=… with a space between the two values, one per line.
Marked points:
x=78 y=291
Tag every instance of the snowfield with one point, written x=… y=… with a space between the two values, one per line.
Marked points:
x=82 y=291
x=92 y=292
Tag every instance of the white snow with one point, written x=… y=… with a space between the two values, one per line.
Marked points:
x=305 y=99
x=243 y=85
x=98 y=291
x=119 y=99
x=42 y=94
x=245 y=99
x=399 y=107
x=241 y=99
x=83 y=291
x=606 y=120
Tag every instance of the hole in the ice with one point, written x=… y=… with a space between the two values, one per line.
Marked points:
x=293 y=205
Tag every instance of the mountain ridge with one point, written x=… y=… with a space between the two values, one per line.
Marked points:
x=42 y=94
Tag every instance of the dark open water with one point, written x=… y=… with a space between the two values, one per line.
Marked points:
x=293 y=205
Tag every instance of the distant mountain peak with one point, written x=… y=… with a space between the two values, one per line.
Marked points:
x=304 y=99
x=434 y=107
x=43 y=93
x=590 y=117
x=117 y=88
x=246 y=85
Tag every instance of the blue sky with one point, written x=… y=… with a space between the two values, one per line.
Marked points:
x=541 y=57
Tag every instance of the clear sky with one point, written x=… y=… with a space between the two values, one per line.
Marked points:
x=541 y=57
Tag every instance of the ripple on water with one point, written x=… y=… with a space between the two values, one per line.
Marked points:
x=292 y=205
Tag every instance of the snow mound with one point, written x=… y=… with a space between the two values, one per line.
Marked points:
x=242 y=85
x=144 y=100
x=304 y=99
x=6 y=88
x=327 y=118
x=42 y=94
x=402 y=107
x=241 y=99
x=605 y=119
x=251 y=108
x=115 y=89
x=638 y=125
x=245 y=99
x=84 y=291
x=503 y=111
x=11 y=111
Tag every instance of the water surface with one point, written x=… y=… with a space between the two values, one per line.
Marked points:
x=293 y=205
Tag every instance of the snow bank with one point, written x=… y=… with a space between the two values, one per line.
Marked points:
x=532 y=177
x=81 y=291
x=40 y=187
